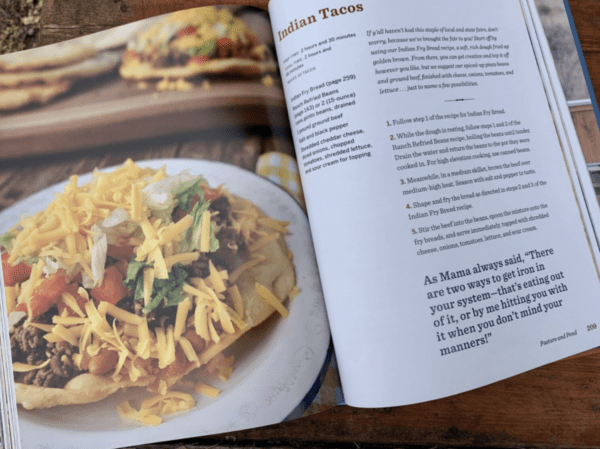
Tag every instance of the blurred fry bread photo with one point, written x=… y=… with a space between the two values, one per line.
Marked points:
x=48 y=72
x=57 y=55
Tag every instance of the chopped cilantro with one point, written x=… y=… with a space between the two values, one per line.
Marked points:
x=206 y=48
x=170 y=289
x=135 y=278
x=134 y=269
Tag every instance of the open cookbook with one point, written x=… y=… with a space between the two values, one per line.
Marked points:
x=196 y=208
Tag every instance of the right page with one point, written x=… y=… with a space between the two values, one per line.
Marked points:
x=454 y=242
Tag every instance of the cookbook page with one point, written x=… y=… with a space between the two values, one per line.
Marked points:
x=448 y=226
x=159 y=276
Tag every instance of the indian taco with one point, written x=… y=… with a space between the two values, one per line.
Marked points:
x=135 y=279
x=196 y=41
x=22 y=84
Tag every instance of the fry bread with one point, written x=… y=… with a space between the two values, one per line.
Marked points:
x=17 y=97
x=263 y=258
x=82 y=389
x=105 y=62
x=57 y=55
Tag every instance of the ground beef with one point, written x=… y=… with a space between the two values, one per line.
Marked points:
x=223 y=207
x=232 y=251
x=14 y=348
x=239 y=49
x=46 y=318
x=127 y=303
x=173 y=58
x=198 y=268
x=60 y=370
x=28 y=346
x=164 y=315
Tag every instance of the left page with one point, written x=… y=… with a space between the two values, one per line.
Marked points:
x=159 y=275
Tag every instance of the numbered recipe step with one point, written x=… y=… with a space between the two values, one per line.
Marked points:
x=445 y=166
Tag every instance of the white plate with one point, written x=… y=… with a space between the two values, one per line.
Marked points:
x=270 y=377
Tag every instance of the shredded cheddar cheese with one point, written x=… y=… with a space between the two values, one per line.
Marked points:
x=207 y=390
x=266 y=295
x=23 y=367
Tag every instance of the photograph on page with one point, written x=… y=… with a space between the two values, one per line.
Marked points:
x=159 y=275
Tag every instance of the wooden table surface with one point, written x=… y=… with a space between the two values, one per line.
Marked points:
x=557 y=405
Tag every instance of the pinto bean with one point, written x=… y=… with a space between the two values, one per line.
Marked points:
x=103 y=362
x=180 y=364
x=196 y=340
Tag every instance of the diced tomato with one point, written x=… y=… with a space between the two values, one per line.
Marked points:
x=186 y=31
x=72 y=289
x=112 y=289
x=125 y=252
x=210 y=194
x=20 y=308
x=130 y=54
x=48 y=293
x=225 y=42
x=200 y=59
x=14 y=274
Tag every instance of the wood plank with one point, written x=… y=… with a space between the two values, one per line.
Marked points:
x=586 y=126
x=51 y=33
x=586 y=17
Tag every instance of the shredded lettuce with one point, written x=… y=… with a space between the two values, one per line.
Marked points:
x=6 y=240
x=184 y=198
x=99 y=250
x=213 y=242
x=191 y=239
x=160 y=195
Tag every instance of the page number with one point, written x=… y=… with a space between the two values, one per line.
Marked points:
x=591 y=327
